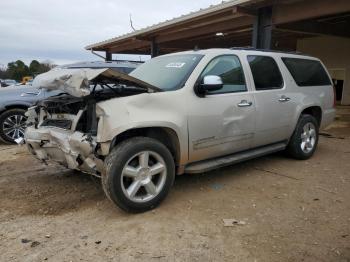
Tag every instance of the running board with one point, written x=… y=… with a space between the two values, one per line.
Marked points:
x=207 y=165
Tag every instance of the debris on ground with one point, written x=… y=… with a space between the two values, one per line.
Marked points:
x=326 y=190
x=231 y=222
x=331 y=136
x=275 y=173
x=217 y=186
x=35 y=243
x=24 y=240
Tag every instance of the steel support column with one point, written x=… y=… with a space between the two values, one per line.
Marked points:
x=108 y=56
x=154 y=48
x=262 y=28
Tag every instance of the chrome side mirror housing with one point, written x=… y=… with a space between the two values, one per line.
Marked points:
x=210 y=83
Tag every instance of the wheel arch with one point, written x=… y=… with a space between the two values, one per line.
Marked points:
x=315 y=111
x=14 y=106
x=165 y=135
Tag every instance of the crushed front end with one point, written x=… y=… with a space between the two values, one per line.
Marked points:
x=63 y=127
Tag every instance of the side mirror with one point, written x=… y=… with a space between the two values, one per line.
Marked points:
x=210 y=83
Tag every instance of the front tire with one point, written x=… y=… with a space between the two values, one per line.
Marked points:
x=12 y=125
x=139 y=174
x=303 y=143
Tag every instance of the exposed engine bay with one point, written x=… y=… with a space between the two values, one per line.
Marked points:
x=78 y=113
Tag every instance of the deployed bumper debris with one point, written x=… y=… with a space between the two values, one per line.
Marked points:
x=74 y=150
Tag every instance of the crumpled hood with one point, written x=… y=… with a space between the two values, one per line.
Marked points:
x=76 y=82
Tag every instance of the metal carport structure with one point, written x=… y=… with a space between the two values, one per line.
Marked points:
x=266 y=24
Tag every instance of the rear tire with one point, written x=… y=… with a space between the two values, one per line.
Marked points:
x=12 y=125
x=139 y=173
x=304 y=140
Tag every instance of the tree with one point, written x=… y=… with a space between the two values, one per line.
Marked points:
x=34 y=67
x=17 y=70
x=46 y=66
x=3 y=72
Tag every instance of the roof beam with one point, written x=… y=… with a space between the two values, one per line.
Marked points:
x=135 y=44
x=318 y=28
x=301 y=10
x=194 y=24
x=206 y=30
x=219 y=10
x=228 y=34
x=239 y=10
x=235 y=12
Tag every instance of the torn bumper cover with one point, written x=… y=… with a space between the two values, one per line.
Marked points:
x=74 y=150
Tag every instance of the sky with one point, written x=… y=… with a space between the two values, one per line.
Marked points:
x=58 y=31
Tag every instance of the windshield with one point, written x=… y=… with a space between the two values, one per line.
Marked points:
x=167 y=72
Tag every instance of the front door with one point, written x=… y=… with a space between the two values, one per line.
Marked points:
x=223 y=121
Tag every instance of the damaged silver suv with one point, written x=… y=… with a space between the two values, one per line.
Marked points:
x=186 y=112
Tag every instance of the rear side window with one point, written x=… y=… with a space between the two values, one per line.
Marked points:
x=307 y=72
x=265 y=72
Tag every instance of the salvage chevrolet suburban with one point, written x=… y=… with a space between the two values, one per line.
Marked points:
x=187 y=112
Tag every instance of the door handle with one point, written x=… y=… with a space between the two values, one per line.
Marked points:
x=284 y=99
x=30 y=93
x=244 y=103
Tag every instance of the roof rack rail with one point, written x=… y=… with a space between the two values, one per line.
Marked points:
x=266 y=50
x=127 y=60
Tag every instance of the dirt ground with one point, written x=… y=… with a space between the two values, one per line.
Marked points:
x=288 y=211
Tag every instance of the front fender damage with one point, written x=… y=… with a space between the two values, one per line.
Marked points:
x=74 y=150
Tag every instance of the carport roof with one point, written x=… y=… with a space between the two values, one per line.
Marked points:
x=151 y=30
x=231 y=24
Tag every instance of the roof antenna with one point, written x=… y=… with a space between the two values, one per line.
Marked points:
x=133 y=28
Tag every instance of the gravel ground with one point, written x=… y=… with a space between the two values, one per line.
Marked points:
x=287 y=210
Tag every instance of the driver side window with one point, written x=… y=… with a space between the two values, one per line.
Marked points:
x=229 y=68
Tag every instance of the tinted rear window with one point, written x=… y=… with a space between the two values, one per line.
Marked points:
x=265 y=72
x=307 y=72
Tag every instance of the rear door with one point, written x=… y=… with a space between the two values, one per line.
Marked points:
x=223 y=121
x=274 y=105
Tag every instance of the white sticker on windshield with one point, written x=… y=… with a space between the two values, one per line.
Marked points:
x=175 y=65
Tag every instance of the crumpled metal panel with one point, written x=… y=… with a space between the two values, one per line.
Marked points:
x=72 y=81
x=76 y=81
x=64 y=147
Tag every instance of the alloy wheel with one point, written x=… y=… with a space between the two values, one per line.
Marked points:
x=308 y=138
x=143 y=176
x=14 y=126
